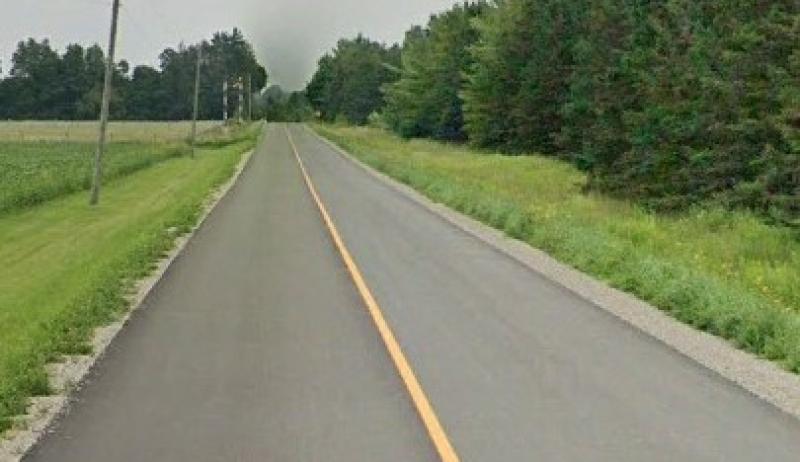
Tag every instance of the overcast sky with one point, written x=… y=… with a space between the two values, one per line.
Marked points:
x=288 y=35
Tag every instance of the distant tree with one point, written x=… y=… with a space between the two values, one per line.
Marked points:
x=277 y=105
x=298 y=108
x=45 y=85
x=146 y=99
x=88 y=107
x=36 y=70
x=229 y=57
x=272 y=103
x=348 y=82
x=319 y=88
x=177 y=81
x=74 y=81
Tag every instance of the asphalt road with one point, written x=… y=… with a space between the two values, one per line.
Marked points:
x=256 y=346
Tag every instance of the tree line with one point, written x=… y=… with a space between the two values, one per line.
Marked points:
x=668 y=102
x=46 y=84
x=348 y=82
x=278 y=105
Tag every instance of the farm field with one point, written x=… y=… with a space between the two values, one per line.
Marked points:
x=67 y=266
x=35 y=171
x=55 y=158
x=724 y=272
x=87 y=131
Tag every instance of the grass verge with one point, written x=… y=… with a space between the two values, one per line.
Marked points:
x=724 y=272
x=35 y=172
x=68 y=267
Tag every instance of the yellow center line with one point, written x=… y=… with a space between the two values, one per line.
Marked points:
x=423 y=406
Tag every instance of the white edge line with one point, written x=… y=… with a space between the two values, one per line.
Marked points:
x=760 y=377
x=67 y=376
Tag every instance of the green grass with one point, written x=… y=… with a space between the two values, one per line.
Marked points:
x=40 y=161
x=36 y=171
x=724 y=272
x=67 y=267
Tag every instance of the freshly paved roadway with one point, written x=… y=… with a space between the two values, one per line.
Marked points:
x=255 y=346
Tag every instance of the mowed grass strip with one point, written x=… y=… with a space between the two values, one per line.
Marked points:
x=724 y=272
x=36 y=171
x=42 y=160
x=67 y=266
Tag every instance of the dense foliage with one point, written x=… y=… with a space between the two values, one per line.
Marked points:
x=518 y=83
x=348 y=81
x=688 y=100
x=277 y=105
x=669 y=102
x=44 y=84
x=425 y=102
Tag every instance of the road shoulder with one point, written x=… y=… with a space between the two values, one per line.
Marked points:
x=67 y=376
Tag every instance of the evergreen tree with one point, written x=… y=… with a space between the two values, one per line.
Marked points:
x=599 y=91
x=518 y=83
x=319 y=88
x=425 y=100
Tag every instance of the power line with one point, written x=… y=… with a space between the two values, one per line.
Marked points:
x=139 y=29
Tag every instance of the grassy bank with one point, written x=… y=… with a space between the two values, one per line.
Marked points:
x=67 y=266
x=724 y=272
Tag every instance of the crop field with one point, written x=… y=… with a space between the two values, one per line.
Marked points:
x=56 y=157
x=33 y=172
x=155 y=132
x=725 y=272
x=66 y=266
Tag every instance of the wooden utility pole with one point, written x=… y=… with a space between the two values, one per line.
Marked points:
x=225 y=100
x=249 y=97
x=196 y=96
x=241 y=98
x=101 y=143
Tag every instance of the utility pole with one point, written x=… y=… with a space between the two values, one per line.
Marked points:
x=196 y=96
x=101 y=143
x=225 y=100
x=249 y=97
x=241 y=98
